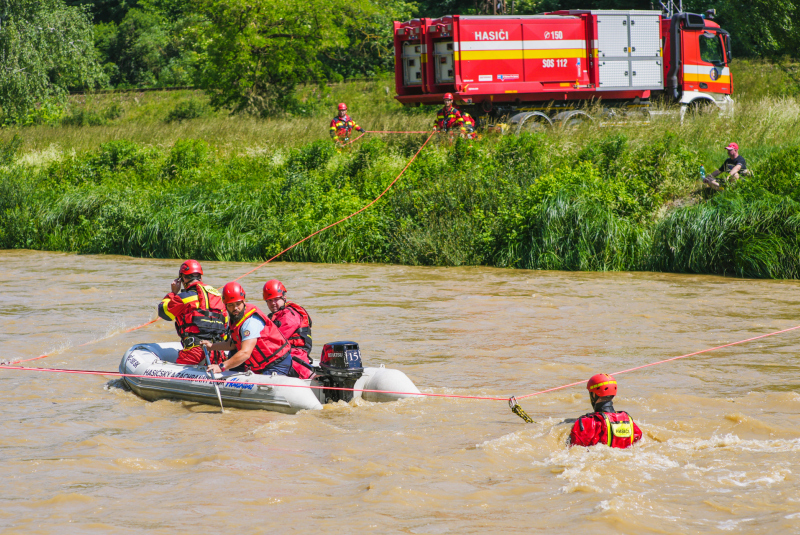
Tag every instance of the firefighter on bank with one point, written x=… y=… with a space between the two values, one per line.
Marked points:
x=604 y=425
x=294 y=323
x=342 y=125
x=449 y=119
x=198 y=313
x=260 y=346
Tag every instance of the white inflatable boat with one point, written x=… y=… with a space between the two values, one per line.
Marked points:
x=156 y=376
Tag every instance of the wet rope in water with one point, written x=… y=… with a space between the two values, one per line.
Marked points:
x=208 y=380
x=665 y=360
x=92 y=341
x=512 y=400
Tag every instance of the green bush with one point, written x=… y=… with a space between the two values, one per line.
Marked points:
x=185 y=110
x=528 y=202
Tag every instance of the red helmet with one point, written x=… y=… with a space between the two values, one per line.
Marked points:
x=232 y=292
x=274 y=288
x=190 y=267
x=448 y=96
x=342 y=106
x=602 y=385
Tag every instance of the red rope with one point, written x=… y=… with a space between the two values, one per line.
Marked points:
x=665 y=360
x=491 y=398
x=354 y=140
x=344 y=218
x=288 y=248
x=396 y=132
x=205 y=380
x=90 y=342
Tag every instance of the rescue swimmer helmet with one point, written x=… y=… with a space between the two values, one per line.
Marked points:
x=190 y=267
x=448 y=96
x=274 y=288
x=232 y=292
x=602 y=385
x=342 y=106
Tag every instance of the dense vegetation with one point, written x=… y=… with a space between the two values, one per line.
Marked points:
x=613 y=198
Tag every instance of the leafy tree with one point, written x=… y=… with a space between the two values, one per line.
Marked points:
x=253 y=53
x=761 y=28
x=46 y=47
x=370 y=42
x=105 y=11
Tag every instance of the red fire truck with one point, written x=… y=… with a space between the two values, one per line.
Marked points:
x=543 y=68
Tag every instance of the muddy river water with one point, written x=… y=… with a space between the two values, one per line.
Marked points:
x=79 y=454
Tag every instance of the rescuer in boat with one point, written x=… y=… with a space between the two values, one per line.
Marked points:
x=260 y=346
x=604 y=425
x=198 y=313
x=294 y=323
x=734 y=165
x=342 y=125
x=449 y=119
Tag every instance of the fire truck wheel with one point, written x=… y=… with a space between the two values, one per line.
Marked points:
x=532 y=121
x=701 y=106
x=571 y=119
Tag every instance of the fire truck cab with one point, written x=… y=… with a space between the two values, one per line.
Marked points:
x=544 y=67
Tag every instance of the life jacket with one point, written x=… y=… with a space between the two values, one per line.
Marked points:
x=614 y=429
x=208 y=321
x=342 y=126
x=302 y=337
x=449 y=119
x=270 y=345
x=619 y=430
x=469 y=122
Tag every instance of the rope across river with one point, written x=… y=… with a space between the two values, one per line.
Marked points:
x=423 y=394
x=512 y=399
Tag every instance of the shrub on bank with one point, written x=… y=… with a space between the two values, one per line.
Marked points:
x=528 y=201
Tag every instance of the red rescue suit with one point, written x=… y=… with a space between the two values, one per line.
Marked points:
x=295 y=325
x=449 y=119
x=342 y=126
x=469 y=126
x=614 y=429
x=271 y=347
x=199 y=314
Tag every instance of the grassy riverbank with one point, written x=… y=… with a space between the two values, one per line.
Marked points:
x=231 y=188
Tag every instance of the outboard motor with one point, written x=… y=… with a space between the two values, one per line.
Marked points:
x=340 y=367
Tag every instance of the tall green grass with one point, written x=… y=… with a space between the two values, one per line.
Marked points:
x=162 y=175
x=531 y=201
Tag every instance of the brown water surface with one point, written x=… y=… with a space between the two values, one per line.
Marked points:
x=719 y=455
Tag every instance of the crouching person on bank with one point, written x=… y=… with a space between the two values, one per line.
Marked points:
x=260 y=346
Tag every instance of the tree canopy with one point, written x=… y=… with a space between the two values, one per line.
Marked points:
x=46 y=47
